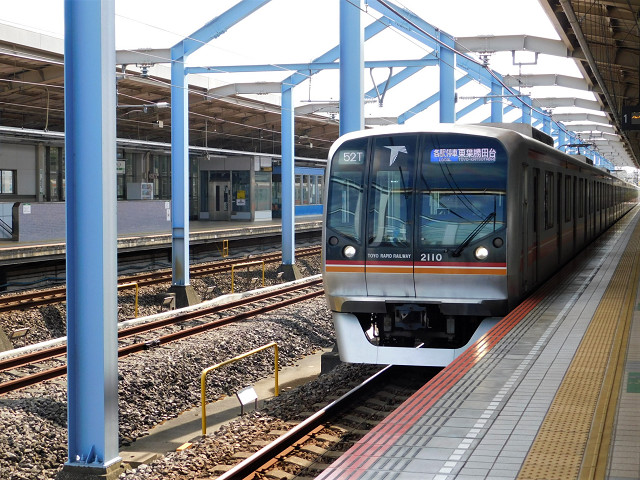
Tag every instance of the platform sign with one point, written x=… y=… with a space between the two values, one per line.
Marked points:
x=633 y=382
x=631 y=118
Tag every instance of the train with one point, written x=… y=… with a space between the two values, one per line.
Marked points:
x=432 y=235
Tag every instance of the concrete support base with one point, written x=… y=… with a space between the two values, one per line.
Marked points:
x=329 y=360
x=185 y=295
x=82 y=472
x=290 y=272
x=5 y=343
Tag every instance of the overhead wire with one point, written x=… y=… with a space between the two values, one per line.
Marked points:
x=469 y=58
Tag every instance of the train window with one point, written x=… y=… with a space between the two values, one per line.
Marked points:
x=391 y=191
x=306 y=192
x=580 y=198
x=8 y=181
x=346 y=190
x=320 y=189
x=558 y=199
x=548 y=200
x=568 y=198
x=536 y=195
x=298 y=189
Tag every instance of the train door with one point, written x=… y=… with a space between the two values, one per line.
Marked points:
x=219 y=196
x=529 y=214
x=389 y=240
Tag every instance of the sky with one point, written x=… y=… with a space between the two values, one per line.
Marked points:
x=290 y=31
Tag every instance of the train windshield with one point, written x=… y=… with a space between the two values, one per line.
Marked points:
x=449 y=217
x=462 y=190
x=346 y=190
x=391 y=191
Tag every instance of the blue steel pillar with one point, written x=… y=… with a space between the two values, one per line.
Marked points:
x=91 y=208
x=351 y=67
x=288 y=208
x=496 y=102
x=526 y=110
x=546 y=123
x=185 y=295
x=447 y=80
x=562 y=140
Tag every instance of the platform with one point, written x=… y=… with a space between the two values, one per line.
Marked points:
x=187 y=428
x=202 y=231
x=551 y=392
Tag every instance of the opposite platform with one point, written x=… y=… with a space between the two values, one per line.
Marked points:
x=200 y=232
x=551 y=392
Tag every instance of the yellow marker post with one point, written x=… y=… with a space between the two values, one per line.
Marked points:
x=203 y=378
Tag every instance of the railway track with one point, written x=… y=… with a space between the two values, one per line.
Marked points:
x=312 y=445
x=157 y=332
x=59 y=294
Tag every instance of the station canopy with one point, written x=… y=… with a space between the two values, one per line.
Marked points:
x=600 y=38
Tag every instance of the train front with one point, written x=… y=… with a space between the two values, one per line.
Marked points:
x=414 y=244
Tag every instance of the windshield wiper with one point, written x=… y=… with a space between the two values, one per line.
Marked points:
x=472 y=235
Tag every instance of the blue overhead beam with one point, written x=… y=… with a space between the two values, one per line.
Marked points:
x=422 y=106
x=220 y=24
x=470 y=108
x=419 y=108
x=429 y=60
x=408 y=71
x=330 y=56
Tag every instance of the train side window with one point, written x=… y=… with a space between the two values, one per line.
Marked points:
x=559 y=199
x=535 y=199
x=580 y=197
x=548 y=200
x=568 y=198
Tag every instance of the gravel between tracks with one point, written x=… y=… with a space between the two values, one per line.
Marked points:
x=163 y=382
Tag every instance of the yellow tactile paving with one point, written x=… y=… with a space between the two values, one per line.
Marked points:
x=573 y=441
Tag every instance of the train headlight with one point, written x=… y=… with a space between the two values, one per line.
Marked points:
x=349 y=251
x=481 y=253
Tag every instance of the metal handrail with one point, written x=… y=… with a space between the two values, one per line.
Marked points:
x=129 y=285
x=203 y=378
x=247 y=264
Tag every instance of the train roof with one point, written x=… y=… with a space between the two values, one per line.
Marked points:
x=489 y=130
x=505 y=133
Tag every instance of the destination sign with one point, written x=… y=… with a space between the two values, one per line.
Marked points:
x=478 y=155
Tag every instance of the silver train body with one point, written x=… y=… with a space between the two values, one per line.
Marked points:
x=431 y=236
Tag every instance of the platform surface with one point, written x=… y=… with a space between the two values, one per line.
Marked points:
x=551 y=392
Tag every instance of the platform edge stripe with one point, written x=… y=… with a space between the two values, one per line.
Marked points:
x=442 y=382
x=436 y=388
x=418 y=403
x=598 y=446
x=546 y=452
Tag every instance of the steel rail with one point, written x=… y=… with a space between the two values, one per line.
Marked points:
x=266 y=456
x=33 y=379
x=59 y=294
